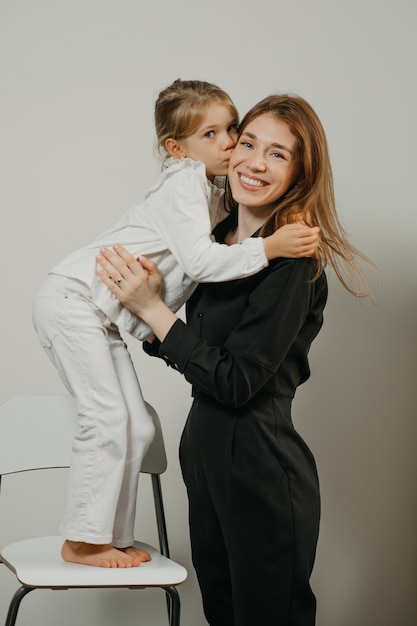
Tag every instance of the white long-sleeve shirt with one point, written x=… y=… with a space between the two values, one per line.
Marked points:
x=173 y=228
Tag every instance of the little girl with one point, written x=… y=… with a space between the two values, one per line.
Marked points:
x=78 y=320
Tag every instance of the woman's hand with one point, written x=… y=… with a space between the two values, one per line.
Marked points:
x=137 y=284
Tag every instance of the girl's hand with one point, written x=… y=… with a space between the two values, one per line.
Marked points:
x=137 y=284
x=292 y=241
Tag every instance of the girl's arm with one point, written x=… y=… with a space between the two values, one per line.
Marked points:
x=183 y=224
x=284 y=312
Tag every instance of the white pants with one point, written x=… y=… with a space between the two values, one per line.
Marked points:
x=114 y=427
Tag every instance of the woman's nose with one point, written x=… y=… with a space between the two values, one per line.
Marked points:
x=257 y=163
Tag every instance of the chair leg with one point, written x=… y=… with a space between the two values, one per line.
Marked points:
x=15 y=603
x=173 y=604
x=169 y=604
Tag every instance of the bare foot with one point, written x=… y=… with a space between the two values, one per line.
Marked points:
x=137 y=555
x=97 y=555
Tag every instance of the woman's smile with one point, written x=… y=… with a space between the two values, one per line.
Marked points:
x=251 y=182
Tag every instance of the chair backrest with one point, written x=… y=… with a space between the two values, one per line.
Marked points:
x=36 y=432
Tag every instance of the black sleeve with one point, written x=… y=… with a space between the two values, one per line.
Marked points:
x=153 y=348
x=276 y=311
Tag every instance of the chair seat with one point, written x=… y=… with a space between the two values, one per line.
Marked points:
x=38 y=563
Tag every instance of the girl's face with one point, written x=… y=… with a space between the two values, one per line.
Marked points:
x=213 y=141
x=263 y=164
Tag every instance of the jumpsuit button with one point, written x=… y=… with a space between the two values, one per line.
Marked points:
x=199 y=315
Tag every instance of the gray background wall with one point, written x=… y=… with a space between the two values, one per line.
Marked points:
x=78 y=81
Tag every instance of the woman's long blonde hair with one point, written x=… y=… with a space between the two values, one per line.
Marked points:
x=311 y=198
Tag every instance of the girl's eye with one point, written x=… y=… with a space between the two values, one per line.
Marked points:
x=232 y=128
x=209 y=133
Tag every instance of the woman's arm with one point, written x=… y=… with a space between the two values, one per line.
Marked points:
x=279 y=322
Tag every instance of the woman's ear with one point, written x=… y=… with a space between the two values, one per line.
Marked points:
x=174 y=148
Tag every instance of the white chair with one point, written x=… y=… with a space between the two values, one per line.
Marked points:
x=36 y=433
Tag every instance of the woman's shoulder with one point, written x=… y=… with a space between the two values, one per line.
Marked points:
x=297 y=273
x=299 y=265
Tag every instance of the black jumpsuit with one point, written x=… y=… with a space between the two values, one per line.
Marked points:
x=254 y=503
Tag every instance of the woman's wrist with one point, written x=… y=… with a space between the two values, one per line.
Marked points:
x=159 y=318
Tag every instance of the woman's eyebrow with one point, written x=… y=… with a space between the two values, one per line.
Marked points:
x=250 y=135
x=273 y=145
x=281 y=147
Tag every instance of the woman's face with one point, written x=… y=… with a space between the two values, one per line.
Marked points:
x=263 y=164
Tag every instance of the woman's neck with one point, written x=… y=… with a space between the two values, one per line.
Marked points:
x=249 y=221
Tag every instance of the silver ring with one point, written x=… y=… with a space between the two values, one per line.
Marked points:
x=119 y=280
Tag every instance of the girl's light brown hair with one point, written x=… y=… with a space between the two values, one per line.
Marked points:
x=180 y=108
x=311 y=198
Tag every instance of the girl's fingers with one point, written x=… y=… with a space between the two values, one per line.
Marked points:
x=312 y=233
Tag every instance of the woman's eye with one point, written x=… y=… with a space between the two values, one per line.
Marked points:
x=278 y=155
x=246 y=144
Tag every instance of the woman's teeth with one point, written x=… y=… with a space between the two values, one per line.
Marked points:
x=251 y=181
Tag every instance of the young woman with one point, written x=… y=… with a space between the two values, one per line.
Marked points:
x=253 y=491
x=79 y=321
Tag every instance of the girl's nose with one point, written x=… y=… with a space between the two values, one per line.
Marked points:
x=229 y=141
